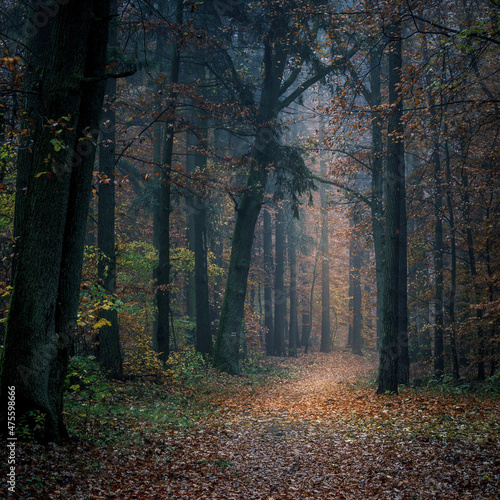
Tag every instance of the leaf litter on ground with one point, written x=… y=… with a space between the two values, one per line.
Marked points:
x=304 y=428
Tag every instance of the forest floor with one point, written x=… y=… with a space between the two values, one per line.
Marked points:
x=313 y=428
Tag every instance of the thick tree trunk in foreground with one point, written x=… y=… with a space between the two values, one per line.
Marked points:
x=38 y=338
x=389 y=352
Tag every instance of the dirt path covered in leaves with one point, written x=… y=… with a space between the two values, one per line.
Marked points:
x=317 y=435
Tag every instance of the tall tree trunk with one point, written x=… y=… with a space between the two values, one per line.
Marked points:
x=388 y=366
x=161 y=340
x=481 y=374
x=157 y=146
x=268 y=287
x=438 y=236
x=377 y=182
x=226 y=350
x=203 y=331
x=453 y=285
x=355 y=261
x=279 y=285
x=37 y=47
x=46 y=285
x=110 y=356
x=293 y=332
x=326 y=340
x=439 y=271
x=190 y=231
x=307 y=333
x=197 y=213
x=403 y=355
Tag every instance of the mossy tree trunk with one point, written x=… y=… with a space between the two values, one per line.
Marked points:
x=52 y=217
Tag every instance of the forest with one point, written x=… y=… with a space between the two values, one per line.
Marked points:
x=250 y=249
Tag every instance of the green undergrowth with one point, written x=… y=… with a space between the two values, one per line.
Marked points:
x=104 y=411
x=446 y=385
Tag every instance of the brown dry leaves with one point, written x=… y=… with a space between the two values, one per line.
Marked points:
x=316 y=436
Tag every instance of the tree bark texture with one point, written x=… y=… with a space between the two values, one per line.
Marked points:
x=46 y=285
x=376 y=206
x=388 y=365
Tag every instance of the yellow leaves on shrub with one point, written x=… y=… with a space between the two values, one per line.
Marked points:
x=102 y=322
x=140 y=357
x=10 y=62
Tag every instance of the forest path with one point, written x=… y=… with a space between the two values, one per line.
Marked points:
x=315 y=434
x=322 y=435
